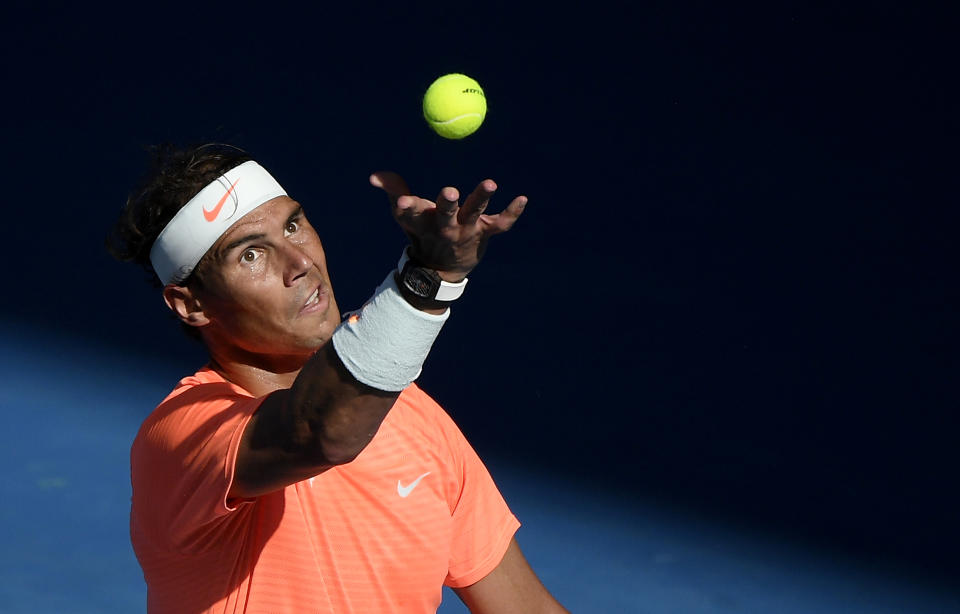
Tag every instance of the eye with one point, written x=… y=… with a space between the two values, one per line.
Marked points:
x=249 y=256
x=291 y=228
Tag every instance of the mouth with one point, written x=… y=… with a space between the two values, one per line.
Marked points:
x=315 y=302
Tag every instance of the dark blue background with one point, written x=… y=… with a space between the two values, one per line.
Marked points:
x=734 y=287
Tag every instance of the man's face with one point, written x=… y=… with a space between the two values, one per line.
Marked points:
x=265 y=288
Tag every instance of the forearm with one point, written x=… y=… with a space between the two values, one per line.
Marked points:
x=324 y=419
x=332 y=412
x=343 y=393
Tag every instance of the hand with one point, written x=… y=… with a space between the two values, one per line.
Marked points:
x=446 y=236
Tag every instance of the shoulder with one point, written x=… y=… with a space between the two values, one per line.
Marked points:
x=416 y=405
x=182 y=462
x=198 y=404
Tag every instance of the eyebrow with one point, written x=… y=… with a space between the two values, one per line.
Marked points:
x=234 y=244
x=256 y=236
x=295 y=213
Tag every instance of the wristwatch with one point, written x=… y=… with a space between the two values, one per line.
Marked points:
x=425 y=285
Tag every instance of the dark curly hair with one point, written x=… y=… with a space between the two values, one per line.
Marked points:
x=175 y=176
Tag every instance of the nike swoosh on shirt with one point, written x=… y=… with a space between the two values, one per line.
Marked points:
x=404 y=491
x=212 y=215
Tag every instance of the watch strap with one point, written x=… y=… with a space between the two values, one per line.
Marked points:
x=448 y=291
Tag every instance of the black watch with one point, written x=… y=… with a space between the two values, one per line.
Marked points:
x=425 y=284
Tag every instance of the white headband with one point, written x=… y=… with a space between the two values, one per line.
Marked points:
x=206 y=216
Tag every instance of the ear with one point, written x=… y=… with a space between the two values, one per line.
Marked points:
x=183 y=302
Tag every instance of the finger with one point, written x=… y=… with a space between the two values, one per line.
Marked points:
x=476 y=203
x=391 y=183
x=503 y=221
x=405 y=207
x=409 y=208
x=447 y=205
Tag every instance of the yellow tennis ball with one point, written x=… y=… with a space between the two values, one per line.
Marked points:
x=454 y=106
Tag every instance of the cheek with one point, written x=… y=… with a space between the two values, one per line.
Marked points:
x=267 y=305
x=315 y=250
x=250 y=309
x=312 y=245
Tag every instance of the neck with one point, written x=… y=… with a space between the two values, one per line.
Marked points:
x=260 y=376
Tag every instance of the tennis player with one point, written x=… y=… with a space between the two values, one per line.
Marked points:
x=302 y=469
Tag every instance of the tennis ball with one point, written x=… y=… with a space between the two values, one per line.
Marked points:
x=454 y=106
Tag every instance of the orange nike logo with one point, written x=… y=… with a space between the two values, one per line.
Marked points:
x=212 y=215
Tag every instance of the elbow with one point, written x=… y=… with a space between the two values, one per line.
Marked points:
x=319 y=446
x=336 y=455
x=340 y=451
x=338 y=429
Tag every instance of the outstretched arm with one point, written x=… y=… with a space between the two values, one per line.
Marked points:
x=327 y=417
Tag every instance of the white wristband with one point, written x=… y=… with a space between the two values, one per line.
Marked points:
x=385 y=342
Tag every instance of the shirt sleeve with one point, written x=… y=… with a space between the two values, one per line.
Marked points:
x=182 y=466
x=483 y=524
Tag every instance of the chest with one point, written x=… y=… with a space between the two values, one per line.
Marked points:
x=384 y=518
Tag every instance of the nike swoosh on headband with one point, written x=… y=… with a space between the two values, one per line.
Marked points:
x=212 y=215
x=188 y=235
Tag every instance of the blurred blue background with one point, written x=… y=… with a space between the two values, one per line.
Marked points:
x=713 y=368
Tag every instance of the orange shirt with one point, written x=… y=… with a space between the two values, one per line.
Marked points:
x=416 y=510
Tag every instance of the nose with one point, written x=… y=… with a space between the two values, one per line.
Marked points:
x=296 y=263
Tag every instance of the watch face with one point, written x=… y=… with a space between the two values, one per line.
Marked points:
x=421 y=283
